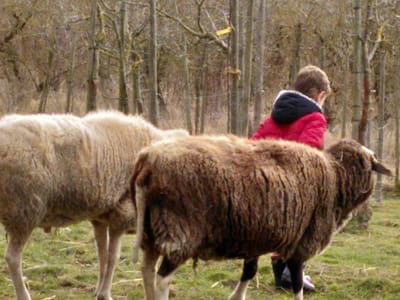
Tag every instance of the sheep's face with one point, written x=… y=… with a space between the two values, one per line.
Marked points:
x=356 y=166
x=376 y=165
x=354 y=156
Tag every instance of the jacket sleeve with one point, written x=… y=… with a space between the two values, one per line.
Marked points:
x=313 y=132
x=261 y=131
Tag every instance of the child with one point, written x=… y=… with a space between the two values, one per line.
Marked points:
x=297 y=116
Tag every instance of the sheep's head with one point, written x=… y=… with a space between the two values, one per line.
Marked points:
x=353 y=155
x=376 y=165
x=355 y=165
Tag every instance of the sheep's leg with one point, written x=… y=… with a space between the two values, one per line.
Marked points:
x=114 y=248
x=296 y=274
x=101 y=237
x=164 y=275
x=13 y=257
x=148 y=273
x=249 y=271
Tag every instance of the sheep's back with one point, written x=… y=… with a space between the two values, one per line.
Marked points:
x=232 y=197
x=62 y=168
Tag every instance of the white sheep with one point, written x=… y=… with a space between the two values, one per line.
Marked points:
x=57 y=170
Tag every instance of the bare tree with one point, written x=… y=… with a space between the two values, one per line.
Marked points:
x=381 y=118
x=153 y=109
x=200 y=105
x=345 y=100
x=19 y=26
x=123 y=90
x=259 y=62
x=234 y=70
x=244 y=111
x=49 y=71
x=367 y=57
x=357 y=67
x=137 y=94
x=91 y=100
x=186 y=93
x=397 y=122
x=70 y=81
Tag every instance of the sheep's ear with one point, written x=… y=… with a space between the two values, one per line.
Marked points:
x=380 y=168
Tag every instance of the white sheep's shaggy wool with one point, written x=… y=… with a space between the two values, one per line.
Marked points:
x=58 y=169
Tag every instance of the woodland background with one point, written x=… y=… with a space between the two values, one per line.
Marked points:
x=212 y=66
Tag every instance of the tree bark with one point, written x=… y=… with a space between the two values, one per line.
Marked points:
x=242 y=63
x=45 y=91
x=397 y=124
x=136 y=90
x=123 y=90
x=345 y=100
x=186 y=93
x=153 y=109
x=200 y=107
x=91 y=100
x=70 y=81
x=357 y=64
x=381 y=119
x=248 y=70
x=234 y=70
x=259 y=63
x=366 y=71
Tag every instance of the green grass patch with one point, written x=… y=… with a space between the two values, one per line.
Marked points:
x=360 y=264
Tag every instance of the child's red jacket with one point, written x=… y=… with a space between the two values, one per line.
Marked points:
x=294 y=117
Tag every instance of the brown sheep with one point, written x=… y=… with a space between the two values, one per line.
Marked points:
x=57 y=170
x=227 y=197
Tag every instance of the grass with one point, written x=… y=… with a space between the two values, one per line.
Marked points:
x=358 y=265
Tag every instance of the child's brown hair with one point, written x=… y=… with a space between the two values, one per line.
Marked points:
x=311 y=80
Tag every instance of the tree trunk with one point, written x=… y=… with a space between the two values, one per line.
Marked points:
x=153 y=109
x=186 y=93
x=203 y=111
x=199 y=87
x=259 y=63
x=70 y=81
x=329 y=109
x=234 y=71
x=248 y=70
x=357 y=63
x=242 y=51
x=45 y=91
x=397 y=122
x=381 y=119
x=123 y=90
x=137 y=94
x=198 y=107
x=345 y=100
x=295 y=64
x=91 y=100
x=366 y=71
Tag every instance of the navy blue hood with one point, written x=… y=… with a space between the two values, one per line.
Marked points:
x=292 y=105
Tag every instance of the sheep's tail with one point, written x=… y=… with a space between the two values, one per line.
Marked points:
x=138 y=196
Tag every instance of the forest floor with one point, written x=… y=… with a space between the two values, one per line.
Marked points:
x=360 y=264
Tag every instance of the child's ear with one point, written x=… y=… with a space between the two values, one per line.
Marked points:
x=321 y=97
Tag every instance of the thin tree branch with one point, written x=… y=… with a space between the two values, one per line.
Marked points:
x=202 y=35
x=19 y=26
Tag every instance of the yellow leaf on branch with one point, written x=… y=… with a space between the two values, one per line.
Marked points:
x=224 y=31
